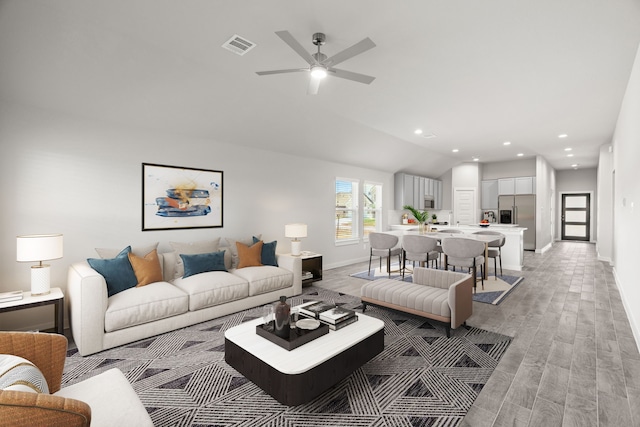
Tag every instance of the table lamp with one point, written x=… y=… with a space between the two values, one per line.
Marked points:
x=295 y=231
x=39 y=247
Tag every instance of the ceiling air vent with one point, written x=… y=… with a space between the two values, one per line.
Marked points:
x=239 y=45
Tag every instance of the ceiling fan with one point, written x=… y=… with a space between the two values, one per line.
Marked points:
x=320 y=65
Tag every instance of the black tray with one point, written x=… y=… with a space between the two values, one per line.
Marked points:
x=297 y=336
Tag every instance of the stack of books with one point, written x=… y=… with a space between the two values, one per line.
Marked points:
x=10 y=296
x=307 y=275
x=332 y=316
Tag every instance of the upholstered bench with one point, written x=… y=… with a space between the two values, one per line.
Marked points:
x=441 y=295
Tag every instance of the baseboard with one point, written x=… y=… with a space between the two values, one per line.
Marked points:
x=545 y=249
x=625 y=302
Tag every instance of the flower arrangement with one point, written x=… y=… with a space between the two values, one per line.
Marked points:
x=420 y=216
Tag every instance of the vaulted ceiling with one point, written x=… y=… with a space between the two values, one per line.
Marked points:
x=474 y=73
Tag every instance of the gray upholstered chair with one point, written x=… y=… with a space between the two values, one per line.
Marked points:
x=449 y=231
x=495 y=249
x=384 y=245
x=465 y=253
x=419 y=248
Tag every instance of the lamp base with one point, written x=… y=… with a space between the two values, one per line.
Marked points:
x=296 y=245
x=40 y=279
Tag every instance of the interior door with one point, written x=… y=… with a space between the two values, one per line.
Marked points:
x=576 y=220
x=464 y=206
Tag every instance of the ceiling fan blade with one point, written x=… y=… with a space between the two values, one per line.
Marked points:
x=350 y=75
x=290 y=70
x=314 y=85
x=293 y=44
x=350 y=52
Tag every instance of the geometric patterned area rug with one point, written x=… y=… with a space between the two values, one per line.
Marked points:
x=421 y=378
x=494 y=290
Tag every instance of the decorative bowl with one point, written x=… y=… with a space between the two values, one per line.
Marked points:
x=483 y=224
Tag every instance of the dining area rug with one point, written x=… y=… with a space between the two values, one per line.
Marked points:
x=421 y=378
x=495 y=290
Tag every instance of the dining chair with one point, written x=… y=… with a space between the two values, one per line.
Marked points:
x=419 y=248
x=495 y=249
x=384 y=245
x=465 y=253
x=448 y=231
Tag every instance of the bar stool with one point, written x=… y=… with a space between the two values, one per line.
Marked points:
x=465 y=253
x=495 y=249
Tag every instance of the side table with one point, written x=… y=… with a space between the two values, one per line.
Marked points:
x=312 y=263
x=55 y=297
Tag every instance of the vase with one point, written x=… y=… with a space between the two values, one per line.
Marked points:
x=422 y=228
x=282 y=319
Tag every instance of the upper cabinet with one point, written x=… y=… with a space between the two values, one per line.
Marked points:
x=525 y=185
x=413 y=190
x=490 y=194
x=506 y=186
x=520 y=185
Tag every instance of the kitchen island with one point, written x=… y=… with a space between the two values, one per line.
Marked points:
x=512 y=251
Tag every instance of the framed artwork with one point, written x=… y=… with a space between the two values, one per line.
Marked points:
x=176 y=197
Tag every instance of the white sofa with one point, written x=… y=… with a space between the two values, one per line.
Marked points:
x=99 y=322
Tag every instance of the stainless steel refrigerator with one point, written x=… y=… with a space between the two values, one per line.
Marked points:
x=521 y=210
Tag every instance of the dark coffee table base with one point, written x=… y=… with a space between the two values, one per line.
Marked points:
x=300 y=388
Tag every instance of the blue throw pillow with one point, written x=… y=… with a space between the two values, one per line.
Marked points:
x=268 y=255
x=117 y=272
x=201 y=263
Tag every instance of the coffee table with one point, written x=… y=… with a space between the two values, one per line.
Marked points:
x=297 y=376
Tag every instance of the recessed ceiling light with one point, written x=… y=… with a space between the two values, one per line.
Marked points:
x=575 y=165
x=475 y=159
x=506 y=143
x=455 y=150
x=418 y=131
x=563 y=135
x=568 y=149
x=569 y=155
x=520 y=154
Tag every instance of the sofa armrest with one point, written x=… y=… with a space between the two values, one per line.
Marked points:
x=294 y=264
x=46 y=351
x=461 y=300
x=19 y=408
x=88 y=301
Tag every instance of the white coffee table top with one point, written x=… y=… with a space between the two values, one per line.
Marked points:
x=308 y=355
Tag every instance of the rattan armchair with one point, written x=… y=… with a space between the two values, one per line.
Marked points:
x=48 y=353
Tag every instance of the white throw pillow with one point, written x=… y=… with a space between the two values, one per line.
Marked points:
x=141 y=251
x=19 y=374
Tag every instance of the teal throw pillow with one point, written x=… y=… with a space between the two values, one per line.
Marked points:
x=201 y=263
x=268 y=255
x=117 y=272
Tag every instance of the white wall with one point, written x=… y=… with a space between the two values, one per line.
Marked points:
x=604 y=246
x=83 y=179
x=545 y=204
x=509 y=169
x=626 y=202
x=578 y=181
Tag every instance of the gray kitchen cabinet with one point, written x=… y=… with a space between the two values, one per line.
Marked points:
x=506 y=186
x=489 y=195
x=403 y=190
x=412 y=189
x=525 y=185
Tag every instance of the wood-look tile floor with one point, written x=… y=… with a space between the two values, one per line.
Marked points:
x=573 y=360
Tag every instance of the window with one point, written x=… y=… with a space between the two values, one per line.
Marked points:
x=346 y=220
x=372 y=214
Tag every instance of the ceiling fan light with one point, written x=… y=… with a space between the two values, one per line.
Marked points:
x=318 y=72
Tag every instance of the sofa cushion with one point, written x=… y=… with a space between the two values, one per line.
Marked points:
x=117 y=272
x=212 y=288
x=268 y=255
x=141 y=250
x=19 y=374
x=249 y=256
x=265 y=278
x=147 y=269
x=192 y=248
x=141 y=305
x=201 y=263
x=427 y=299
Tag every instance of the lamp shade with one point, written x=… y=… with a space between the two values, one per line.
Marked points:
x=38 y=247
x=295 y=230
